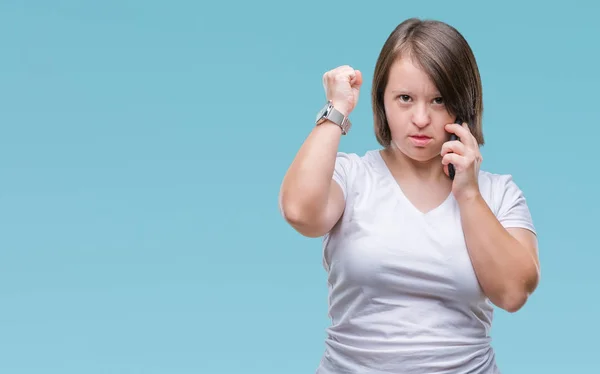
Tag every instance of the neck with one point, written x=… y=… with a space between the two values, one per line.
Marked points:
x=405 y=167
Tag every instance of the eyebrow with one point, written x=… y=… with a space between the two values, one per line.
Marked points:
x=408 y=92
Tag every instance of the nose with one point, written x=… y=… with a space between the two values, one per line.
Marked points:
x=421 y=116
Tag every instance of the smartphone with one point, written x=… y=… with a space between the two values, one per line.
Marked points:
x=451 y=169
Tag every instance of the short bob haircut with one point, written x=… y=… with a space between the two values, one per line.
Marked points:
x=446 y=57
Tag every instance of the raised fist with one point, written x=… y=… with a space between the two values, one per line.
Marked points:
x=342 y=86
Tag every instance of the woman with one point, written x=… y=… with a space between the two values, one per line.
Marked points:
x=415 y=259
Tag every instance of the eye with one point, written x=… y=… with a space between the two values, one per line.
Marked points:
x=438 y=100
x=404 y=98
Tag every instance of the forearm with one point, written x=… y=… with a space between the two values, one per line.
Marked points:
x=306 y=185
x=506 y=270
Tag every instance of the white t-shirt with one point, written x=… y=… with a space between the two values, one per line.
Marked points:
x=403 y=295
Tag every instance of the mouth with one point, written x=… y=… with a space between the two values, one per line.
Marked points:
x=420 y=137
x=420 y=140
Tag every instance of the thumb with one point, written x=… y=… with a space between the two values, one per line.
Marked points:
x=357 y=81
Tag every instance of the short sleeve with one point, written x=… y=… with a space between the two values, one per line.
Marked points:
x=513 y=210
x=342 y=171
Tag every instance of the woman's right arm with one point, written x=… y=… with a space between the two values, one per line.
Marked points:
x=310 y=200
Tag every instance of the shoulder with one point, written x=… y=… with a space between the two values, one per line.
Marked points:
x=355 y=158
x=357 y=161
x=351 y=168
x=496 y=185
x=506 y=199
x=349 y=165
x=493 y=180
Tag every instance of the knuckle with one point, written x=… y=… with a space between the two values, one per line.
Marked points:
x=345 y=69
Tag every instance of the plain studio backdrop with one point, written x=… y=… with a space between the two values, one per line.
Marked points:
x=143 y=144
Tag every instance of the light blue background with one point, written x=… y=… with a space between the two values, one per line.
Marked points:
x=142 y=148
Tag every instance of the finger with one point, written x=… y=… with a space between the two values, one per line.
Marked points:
x=457 y=129
x=463 y=132
x=446 y=170
x=346 y=70
x=357 y=80
x=465 y=125
x=454 y=146
x=454 y=159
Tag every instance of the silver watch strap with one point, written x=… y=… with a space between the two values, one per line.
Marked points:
x=339 y=119
x=336 y=116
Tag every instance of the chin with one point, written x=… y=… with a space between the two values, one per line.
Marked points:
x=422 y=157
x=420 y=154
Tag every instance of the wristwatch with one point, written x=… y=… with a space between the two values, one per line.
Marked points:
x=328 y=112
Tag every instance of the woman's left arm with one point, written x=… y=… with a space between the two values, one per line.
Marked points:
x=505 y=259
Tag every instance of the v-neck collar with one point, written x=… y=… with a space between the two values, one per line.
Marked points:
x=400 y=192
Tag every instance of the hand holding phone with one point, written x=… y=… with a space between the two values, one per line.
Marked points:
x=451 y=169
